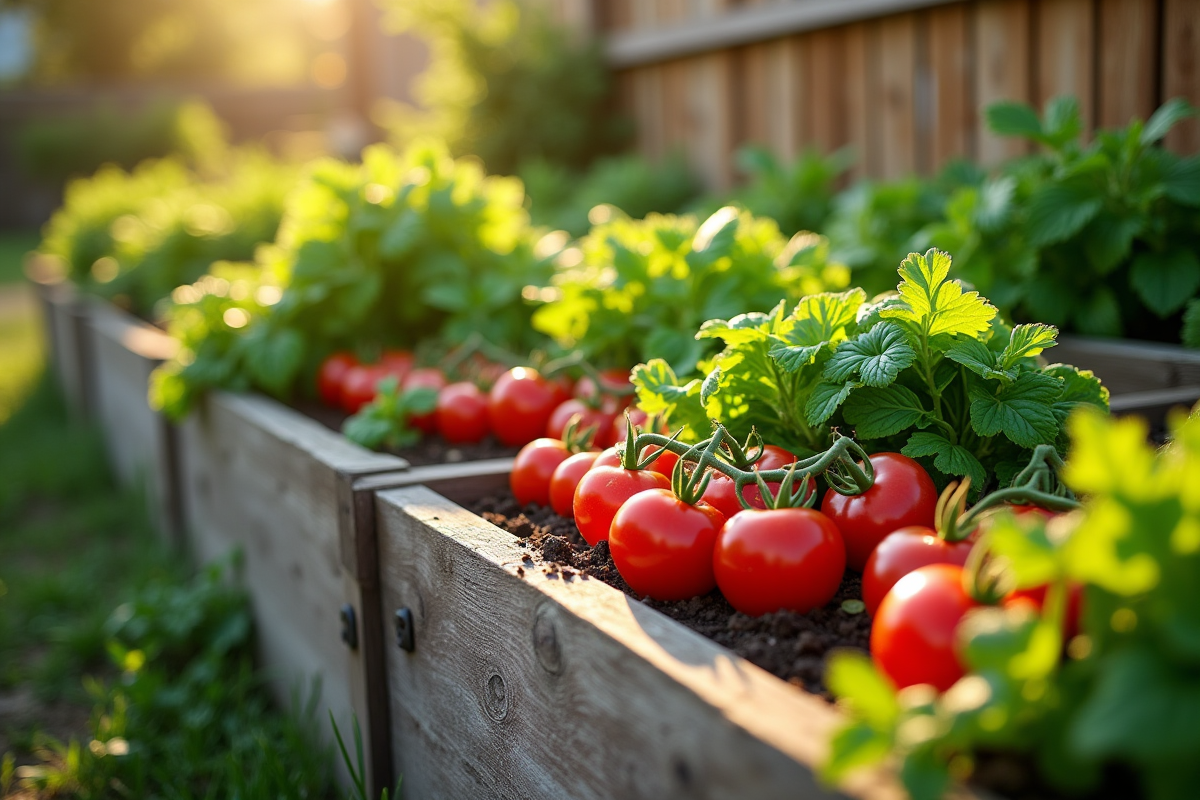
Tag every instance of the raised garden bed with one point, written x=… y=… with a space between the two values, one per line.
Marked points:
x=63 y=312
x=1131 y=367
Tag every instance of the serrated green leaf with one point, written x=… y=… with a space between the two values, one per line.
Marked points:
x=819 y=320
x=366 y=430
x=1010 y=118
x=876 y=413
x=825 y=399
x=876 y=356
x=711 y=385
x=659 y=391
x=1165 y=281
x=1026 y=341
x=1080 y=387
x=936 y=304
x=949 y=459
x=979 y=358
x=1022 y=411
x=1168 y=115
x=1057 y=212
x=1063 y=120
x=755 y=326
x=1108 y=239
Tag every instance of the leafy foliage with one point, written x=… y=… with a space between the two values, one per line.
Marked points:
x=401 y=249
x=1125 y=694
x=635 y=289
x=385 y=420
x=931 y=372
x=1097 y=238
x=799 y=195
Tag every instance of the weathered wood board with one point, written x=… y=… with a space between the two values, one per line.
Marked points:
x=1128 y=366
x=263 y=479
x=523 y=684
x=140 y=442
x=63 y=312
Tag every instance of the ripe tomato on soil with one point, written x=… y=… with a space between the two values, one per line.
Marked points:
x=603 y=490
x=461 y=413
x=1035 y=598
x=663 y=547
x=903 y=551
x=913 y=633
x=359 y=385
x=520 y=404
x=424 y=378
x=533 y=468
x=330 y=376
x=564 y=480
x=721 y=491
x=788 y=558
x=609 y=457
x=612 y=380
x=601 y=421
x=398 y=363
x=903 y=495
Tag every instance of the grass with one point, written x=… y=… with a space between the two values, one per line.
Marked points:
x=122 y=674
x=13 y=247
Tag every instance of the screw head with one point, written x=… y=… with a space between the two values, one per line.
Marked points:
x=404 y=629
x=349 y=626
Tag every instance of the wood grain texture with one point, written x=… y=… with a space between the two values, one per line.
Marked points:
x=264 y=479
x=1066 y=34
x=858 y=96
x=1128 y=35
x=825 y=73
x=1127 y=366
x=953 y=114
x=1002 y=70
x=710 y=124
x=124 y=351
x=1181 y=68
x=895 y=87
x=534 y=686
x=66 y=323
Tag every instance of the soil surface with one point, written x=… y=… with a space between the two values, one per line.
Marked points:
x=791 y=646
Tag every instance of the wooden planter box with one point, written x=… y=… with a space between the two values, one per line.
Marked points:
x=263 y=479
x=64 y=313
x=1127 y=366
x=122 y=351
x=526 y=684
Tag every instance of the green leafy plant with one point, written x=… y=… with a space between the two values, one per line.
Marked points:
x=931 y=372
x=384 y=422
x=1097 y=238
x=1120 y=703
x=399 y=250
x=634 y=289
x=798 y=195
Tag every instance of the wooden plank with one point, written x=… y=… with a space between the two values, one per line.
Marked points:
x=526 y=685
x=139 y=441
x=825 y=119
x=710 y=140
x=1181 y=68
x=743 y=23
x=1156 y=406
x=1127 y=366
x=953 y=112
x=895 y=86
x=67 y=336
x=753 y=72
x=649 y=111
x=1066 y=34
x=1002 y=70
x=263 y=479
x=1128 y=53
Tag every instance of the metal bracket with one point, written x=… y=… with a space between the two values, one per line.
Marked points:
x=404 y=629
x=349 y=626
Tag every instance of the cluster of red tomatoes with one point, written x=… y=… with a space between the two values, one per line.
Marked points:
x=764 y=560
x=520 y=406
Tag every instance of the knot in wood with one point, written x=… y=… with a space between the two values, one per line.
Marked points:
x=495 y=696
x=545 y=642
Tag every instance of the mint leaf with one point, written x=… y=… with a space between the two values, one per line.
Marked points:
x=1011 y=118
x=1021 y=411
x=1026 y=341
x=825 y=399
x=1108 y=239
x=1057 y=212
x=950 y=459
x=1182 y=181
x=977 y=357
x=1080 y=387
x=1168 y=115
x=1191 y=325
x=936 y=304
x=819 y=319
x=876 y=413
x=877 y=356
x=1165 y=281
x=711 y=385
x=660 y=392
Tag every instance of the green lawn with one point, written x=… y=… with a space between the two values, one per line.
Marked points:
x=13 y=247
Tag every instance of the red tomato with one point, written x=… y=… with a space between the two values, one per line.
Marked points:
x=520 y=405
x=424 y=378
x=903 y=495
x=610 y=379
x=564 y=480
x=603 y=490
x=398 y=363
x=900 y=553
x=664 y=464
x=588 y=418
x=330 y=376
x=1035 y=598
x=720 y=491
x=533 y=468
x=358 y=385
x=663 y=547
x=461 y=413
x=611 y=457
x=789 y=558
x=912 y=635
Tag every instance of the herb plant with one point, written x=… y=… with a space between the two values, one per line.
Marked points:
x=930 y=372
x=636 y=289
x=1119 y=707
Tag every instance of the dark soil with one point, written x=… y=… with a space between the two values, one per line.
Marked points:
x=789 y=645
x=430 y=450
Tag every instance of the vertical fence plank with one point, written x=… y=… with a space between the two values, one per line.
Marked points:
x=1002 y=70
x=782 y=97
x=1066 y=53
x=752 y=74
x=1127 y=42
x=825 y=72
x=710 y=136
x=895 y=92
x=953 y=113
x=1181 y=67
x=858 y=96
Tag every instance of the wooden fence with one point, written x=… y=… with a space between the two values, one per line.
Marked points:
x=902 y=82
